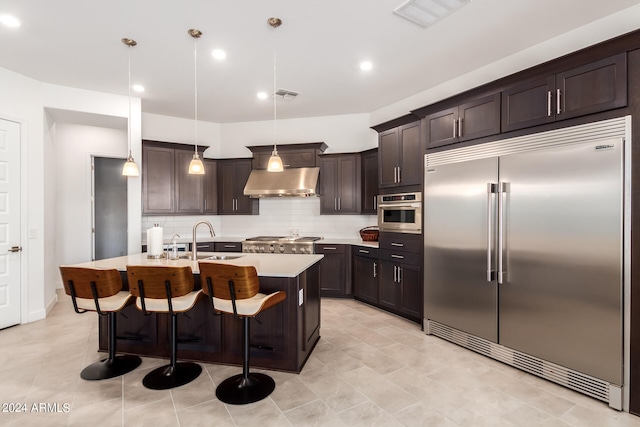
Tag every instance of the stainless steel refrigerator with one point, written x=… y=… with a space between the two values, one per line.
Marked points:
x=524 y=253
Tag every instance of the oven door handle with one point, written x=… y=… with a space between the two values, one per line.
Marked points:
x=400 y=205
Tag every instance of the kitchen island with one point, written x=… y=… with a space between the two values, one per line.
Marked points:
x=282 y=337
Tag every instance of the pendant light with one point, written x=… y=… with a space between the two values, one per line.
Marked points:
x=196 y=167
x=130 y=167
x=275 y=162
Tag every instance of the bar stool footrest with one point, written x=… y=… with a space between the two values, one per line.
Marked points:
x=238 y=390
x=107 y=368
x=167 y=376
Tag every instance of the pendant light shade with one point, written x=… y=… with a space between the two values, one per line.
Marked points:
x=196 y=167
x=130 y=167
x=275 y=162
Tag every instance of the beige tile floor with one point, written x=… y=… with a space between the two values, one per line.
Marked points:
x=369 y=368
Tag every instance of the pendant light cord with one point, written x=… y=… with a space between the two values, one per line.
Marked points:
x=195 y=86
x=275 y=103
x=129 y=123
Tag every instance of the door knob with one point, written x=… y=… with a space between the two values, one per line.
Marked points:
x=15 y=249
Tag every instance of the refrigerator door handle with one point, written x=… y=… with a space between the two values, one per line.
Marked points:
x=491 y=189
x=503 y=189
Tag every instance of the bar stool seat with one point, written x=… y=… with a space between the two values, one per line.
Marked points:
x=235 y=290
x=166 y=289
x=99 y=290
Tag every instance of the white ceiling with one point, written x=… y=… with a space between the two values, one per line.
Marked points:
x=318 y=49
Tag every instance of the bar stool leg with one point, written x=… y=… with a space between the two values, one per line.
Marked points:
x=113 y=366
x=175 y=374
x=246 y=387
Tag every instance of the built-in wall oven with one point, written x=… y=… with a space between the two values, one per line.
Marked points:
x=400 y=213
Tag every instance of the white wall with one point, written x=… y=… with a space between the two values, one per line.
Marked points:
x=182 y=131
x=342 y=133
x=603 y=29
x=21 y=101
x=74 y=146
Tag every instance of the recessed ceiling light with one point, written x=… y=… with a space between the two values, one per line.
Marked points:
x=262 y=95
x=9 y=20
x=366 y=65
x=138 y=88
x=219 y=54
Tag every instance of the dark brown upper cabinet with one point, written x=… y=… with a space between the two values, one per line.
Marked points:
x=167 y=187
x=400 y=156
x=340 y=183
x=474 y=119
x=369 y=181
x=210 y=186
x=232 y=177
x=292 y=155
x=588 y=89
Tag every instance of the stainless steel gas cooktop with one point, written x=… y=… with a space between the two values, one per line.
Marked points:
x=279 y=244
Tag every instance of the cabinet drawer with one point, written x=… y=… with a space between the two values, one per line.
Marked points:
x=203 y=246
x=401 y=242
x=228 y=247
x=365 y=251
x=330 y=249
x=401 y=257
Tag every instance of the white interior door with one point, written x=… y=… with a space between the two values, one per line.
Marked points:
x=10 y=248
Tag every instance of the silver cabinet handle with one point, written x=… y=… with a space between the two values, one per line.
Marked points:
x=395 y=274
x=549 y=103
x=455 y=125
x=231 y=246
x=503 y=189
x=362 y=251
x=375 y=272
x=558 y=103
x=335 y=203
x=375 y=202
x=399 y=174
x=397 y=256
x=459 y=127
x=400 y=245
x=329 y=248
x=491 y=188
x=339 y=203
x=399 y=274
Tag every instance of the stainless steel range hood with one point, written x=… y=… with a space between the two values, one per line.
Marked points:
x=292 y=182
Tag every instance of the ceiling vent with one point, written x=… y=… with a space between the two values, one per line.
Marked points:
x=286 y=95
x=428 y=12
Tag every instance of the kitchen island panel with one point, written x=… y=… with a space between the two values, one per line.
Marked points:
x=282 y=338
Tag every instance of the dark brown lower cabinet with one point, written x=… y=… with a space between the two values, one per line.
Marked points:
x=335 y=270
x=400 y=289
x=365 y=274
x=282 y=337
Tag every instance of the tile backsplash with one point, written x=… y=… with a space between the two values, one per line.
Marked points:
x=278 y=216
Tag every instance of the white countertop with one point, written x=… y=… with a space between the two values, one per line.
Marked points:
x=267 y=265
x=355 y=242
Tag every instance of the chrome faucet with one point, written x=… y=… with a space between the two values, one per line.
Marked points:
x=194 y=245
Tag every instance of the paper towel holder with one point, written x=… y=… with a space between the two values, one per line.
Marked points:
x=162 y=254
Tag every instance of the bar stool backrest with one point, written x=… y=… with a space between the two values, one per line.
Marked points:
x=107 y=282
x=154 y=278
x=245 y=280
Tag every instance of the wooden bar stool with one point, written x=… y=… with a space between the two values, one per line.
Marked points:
x=166 y=289
x=93 y=289
x=235 y=290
